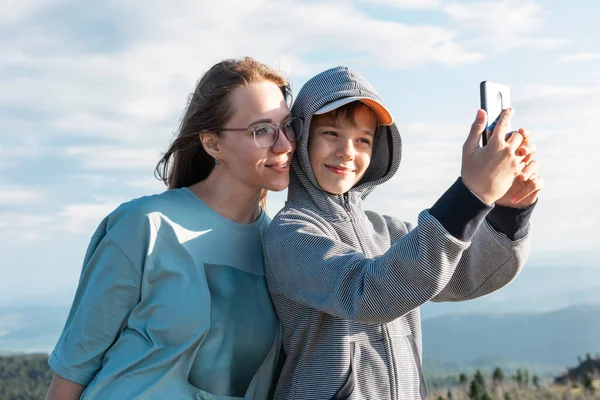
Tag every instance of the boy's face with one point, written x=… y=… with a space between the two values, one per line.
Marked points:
x=339 y=151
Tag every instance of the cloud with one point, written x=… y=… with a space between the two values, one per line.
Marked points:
x=111 y=158
x=14 y=11
x=108 y=90
x=148 y=185
x=83 y=218
x=563 y=118
x=77 y=218
x=558 y=107
x=17 y=195
x=132 y=87
x=499 y=26
x=88 y=124
x=534 y=92
x=581 y=57
x=21 y=226
x=410 y=4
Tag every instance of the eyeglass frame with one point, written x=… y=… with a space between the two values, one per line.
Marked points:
x=278 y=129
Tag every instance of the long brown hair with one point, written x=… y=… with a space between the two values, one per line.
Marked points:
x=209 y=107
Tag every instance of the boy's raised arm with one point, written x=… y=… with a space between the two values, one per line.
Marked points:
x=305 y=265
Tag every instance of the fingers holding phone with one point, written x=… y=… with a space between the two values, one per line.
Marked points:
x=490 y=171
x=526 y=187
x=501 y=129
x=504 y=170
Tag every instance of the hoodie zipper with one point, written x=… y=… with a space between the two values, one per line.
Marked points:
x=393 y=373
x=346 y=202
x=392 y=357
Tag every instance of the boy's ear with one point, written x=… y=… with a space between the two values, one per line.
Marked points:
x=210 y=142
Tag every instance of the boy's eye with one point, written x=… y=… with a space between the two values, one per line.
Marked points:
x=329 y=133
x=365 y=141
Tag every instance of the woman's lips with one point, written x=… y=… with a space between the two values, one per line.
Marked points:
x=285 y=167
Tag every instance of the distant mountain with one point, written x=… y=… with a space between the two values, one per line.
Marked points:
x=552 y=338
x=518 y=324
x=30 y=329
x=536 y=289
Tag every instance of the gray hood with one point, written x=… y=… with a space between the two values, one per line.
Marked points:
x=323 y=88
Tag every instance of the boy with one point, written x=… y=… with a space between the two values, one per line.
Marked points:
x=346 y=283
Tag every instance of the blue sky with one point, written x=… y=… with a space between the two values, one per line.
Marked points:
x=91 y=93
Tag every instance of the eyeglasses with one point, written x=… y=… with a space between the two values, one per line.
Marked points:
x=265 y=135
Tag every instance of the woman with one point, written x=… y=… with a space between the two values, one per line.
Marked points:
x=172 y=301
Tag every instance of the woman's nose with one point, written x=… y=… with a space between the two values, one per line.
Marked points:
x=282 y=144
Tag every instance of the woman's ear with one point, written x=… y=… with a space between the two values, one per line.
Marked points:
x=210 y=142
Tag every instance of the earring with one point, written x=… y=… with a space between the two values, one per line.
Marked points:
x=217 y=161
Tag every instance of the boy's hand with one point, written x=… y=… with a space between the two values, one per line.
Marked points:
x=526 y=187
x=490 y=171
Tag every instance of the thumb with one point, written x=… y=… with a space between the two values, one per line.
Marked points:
x=477 y=129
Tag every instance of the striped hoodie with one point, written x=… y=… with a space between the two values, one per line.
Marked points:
x=347 y=283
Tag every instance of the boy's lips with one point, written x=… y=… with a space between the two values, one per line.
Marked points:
x=337 y=169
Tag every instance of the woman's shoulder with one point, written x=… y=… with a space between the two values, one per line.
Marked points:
x=139 y=211
x=134 y=223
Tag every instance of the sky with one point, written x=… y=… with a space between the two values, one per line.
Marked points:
x=91 y=93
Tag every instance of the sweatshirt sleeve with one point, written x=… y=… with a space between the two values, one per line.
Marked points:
x=512 y=222
x=307 y=263
x=109 y=288
x=498 y=247
x=491 y=262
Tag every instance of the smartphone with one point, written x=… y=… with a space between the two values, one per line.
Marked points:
x=495 y=98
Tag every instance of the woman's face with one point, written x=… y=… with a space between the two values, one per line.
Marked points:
x=250 y=164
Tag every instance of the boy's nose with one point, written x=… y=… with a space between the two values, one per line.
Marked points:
x=346 y=151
